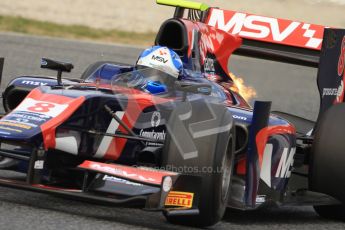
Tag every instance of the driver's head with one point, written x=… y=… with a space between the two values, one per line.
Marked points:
x=161 y=58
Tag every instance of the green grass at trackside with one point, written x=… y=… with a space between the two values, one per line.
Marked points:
x=35 y=27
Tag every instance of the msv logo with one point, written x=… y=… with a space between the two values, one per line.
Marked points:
x=33 y=83
x=284 y=166
x=267 y=29
x=286 y=163
x=159 y=58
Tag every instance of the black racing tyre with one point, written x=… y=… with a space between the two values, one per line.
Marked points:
x=327 y=171
x=13 y=96
x=93 y=67
x=334 y=212
x=214 y=152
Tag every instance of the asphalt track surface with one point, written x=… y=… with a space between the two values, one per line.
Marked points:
x=291 y=88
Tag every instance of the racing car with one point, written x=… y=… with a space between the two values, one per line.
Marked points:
x=182 y=140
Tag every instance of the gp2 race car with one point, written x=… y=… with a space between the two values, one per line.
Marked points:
x=196 y=148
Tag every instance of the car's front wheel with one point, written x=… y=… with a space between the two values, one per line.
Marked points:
x=213 y=166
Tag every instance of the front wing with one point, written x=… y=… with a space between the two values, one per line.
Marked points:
x=173 y=193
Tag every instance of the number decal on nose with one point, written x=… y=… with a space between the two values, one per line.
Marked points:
x=41 y=107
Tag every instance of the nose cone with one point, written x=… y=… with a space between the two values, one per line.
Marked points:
x=37 y=117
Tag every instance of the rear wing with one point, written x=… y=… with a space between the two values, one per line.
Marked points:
x=263 y=37
x=280 y=40
x=290 y=42
x=271 y=38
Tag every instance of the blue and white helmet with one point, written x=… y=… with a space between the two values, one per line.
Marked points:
x=161 y=58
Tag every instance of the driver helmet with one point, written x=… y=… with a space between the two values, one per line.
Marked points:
x=161 y=58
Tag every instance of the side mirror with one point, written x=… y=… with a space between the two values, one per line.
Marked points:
x=189 y=87
x=58 y=66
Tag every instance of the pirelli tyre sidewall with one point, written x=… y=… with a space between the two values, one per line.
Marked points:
x=214 y=152
x=327 y=171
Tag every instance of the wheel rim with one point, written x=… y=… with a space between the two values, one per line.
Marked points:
x=226 y=170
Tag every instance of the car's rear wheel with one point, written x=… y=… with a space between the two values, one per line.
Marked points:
x=327 y=171
x=215 y=155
